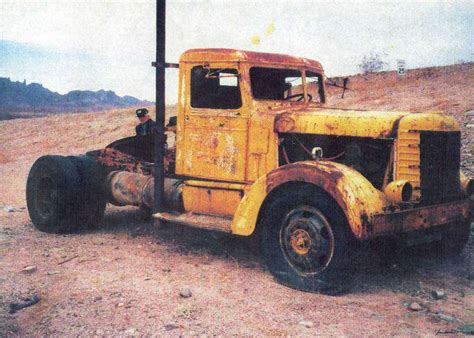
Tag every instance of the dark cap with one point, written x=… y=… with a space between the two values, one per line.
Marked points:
x=141 y=112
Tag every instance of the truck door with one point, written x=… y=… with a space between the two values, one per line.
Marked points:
x=212 y=137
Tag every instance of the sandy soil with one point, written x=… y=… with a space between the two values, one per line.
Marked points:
x=126 y=275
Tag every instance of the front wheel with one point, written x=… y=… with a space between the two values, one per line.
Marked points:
x=307 y=244
x=454 y=239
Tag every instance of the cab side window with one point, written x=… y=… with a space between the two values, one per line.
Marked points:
x=215 y=88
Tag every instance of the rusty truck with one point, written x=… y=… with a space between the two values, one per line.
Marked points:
x=259 y=150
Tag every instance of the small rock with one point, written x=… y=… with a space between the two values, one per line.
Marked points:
x=169 y=327
x=121 y=304
x=97 y=298
x=131 y=331
x=414 y=306
x=306 y=323
x=9 y=208
x=166 y=270
x=146 y=278
x=437 y=294
x=185 y=293
x=50 y=273
x=29 y=269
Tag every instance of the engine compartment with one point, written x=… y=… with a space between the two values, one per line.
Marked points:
x=371 y=157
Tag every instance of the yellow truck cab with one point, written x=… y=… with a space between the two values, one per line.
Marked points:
x=258 y=149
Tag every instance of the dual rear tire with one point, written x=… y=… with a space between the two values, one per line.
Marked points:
x=64 y=193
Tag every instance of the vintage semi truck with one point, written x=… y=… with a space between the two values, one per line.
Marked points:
x=259 y=150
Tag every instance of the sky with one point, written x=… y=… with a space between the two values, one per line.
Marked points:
x=68 y=45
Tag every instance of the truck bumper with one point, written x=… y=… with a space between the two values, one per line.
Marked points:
x=419 y=218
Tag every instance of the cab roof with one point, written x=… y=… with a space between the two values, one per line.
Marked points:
x=234 y=55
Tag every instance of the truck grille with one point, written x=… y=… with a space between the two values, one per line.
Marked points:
x=440 y=156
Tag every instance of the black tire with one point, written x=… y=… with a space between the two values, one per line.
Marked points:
x=51 y=189
x=307 y=243
x=453 y=240
x=90 y=202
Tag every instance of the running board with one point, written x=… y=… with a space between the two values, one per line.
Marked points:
x=201 y=221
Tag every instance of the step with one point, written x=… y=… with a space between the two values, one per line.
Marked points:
x=208 y=222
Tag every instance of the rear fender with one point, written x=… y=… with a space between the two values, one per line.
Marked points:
x=355 y=195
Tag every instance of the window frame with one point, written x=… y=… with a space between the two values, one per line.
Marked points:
x=278 y=67
x=230 y=66
x=321 y=89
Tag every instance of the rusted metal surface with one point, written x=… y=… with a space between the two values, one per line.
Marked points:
x=354 y=194
x=323 y=121
x=398 y=191
x=420 y=218
x=118 y=160
x=125 y=188
x=232 y=55
x=197 y=220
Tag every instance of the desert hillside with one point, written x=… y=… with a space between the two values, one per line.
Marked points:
x=449 y=89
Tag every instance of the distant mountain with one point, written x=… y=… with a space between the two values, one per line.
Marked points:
x=19 y=97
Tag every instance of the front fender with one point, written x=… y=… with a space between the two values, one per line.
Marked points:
x=356 y=196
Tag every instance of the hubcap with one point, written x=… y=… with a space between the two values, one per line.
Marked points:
x=300 y=241
x=307 y=240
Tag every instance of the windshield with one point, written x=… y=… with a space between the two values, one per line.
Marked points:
x=276 y=84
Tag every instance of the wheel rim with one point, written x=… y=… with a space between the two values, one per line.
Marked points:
x=47 y=197
x=307 y=240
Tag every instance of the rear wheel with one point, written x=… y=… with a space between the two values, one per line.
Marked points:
x=306 y=242
x=90 y=203
x=51 y=189
x=64 y=193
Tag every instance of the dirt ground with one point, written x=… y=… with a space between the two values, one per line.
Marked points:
x=125 y=276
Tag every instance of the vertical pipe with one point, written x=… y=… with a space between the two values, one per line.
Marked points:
x=160 y=104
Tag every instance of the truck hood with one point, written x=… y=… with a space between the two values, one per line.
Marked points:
x=373 y=124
